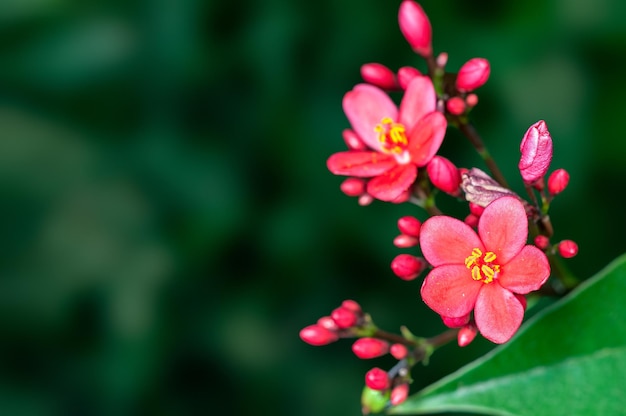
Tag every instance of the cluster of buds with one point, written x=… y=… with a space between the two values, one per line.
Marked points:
x=480 y=268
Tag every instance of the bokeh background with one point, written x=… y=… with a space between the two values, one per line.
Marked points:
x=168 y=223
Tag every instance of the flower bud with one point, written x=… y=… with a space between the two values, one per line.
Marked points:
x=399 y=351
x=353 y=186
x=466 y=335
x=415 y=27
x=352 y=140
x=399 y=394
x=377 y=379
x=471 y=100
x=352 y=305
x=442 y=60
x=557 y=182
x=451 y=322
x=405 y=241
x=365 y=200
x=471 y=220
x=328 y=323
x=407 y=267
x=568 y=249
x=473 y=74
x=455 y=106
x=444 y=175
x=476 y=209
x=317 y=335
x=344 y=317
x=481 y=189
x=366 y=348
x=542 y=242
x=379 y=75
x=406 y=75
x=536 y=148
x=409 y=225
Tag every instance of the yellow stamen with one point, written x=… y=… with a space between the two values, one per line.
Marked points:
x=482 y=268
x=392 y=135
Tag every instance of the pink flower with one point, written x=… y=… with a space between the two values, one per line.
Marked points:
x=483 y=272
x=402 y=139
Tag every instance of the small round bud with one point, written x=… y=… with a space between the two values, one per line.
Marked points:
x=457 y=322
x=444 y=175
x=415 y=27
x=317 y=335
x=377 y=379
x=344 y=317
x=471 y=100
x=542 y=242
x=352 y=140
x=409 y=225
x=466 y=335
x=365 y=200
x=328 y=323
x=471 y=220
x=476 y=209
x=399 y=394
x=455 y=106
x=399 y=351
x=558 y=181
x=407 y=267
x=367 y=348
x=568 y=249
x=441 y=60
x=405 y=241
x=379 y=75
x=406 y=75
x=473 y=74
x=352 y=305
x=353 y=186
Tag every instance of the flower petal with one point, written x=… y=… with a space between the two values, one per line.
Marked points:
x=503 y=228
x=526 y=272
x=425 y=137
x=498 y=313
x=447 y=240
x=419 y=99
x=389 y=185
x=365 y=106
x=450 y=290
x=360 y=164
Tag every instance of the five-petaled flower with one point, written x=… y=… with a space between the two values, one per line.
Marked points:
x=402 y=139
x=484 y=272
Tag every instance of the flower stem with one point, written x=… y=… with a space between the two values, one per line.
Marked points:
x=470 y=132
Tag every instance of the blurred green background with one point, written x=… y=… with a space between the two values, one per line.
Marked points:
x=168 y=223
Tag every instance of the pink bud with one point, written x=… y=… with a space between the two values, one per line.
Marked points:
x=415 y=27
x=536 y=148
x=409 y=225
x=406 y=75
x=444 y=175
x=353 y=186
x=379 y=75
x=366 y=348
x=466 y=335
x=471 y=100
x=344 y=317
x=473 y=74
x=365 y=200
x=455 y=322
x=399 y=394
x=352 y=140
x=455 y=106
x=407 y=267
x=542 y=242
x=405 y=241
x=352 y=305
x=471 y=220
x=328 y=323
x=558 y=181
x=476 y=209
x=442 y=59
x=377 y=379
x=568 y=249
x=399 y=351
x=318 y=335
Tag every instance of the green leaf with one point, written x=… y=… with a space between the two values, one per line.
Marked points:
x=569 y=359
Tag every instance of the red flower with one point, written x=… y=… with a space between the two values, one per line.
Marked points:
x=483 y=272
x=402 y=139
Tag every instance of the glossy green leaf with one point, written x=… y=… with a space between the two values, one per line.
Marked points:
x=569 y=359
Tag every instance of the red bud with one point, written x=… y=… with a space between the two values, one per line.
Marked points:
x=366 y=348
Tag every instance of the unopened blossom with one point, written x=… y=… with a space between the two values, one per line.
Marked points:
x=444 y=175
x=568 y=249
x=318 y=335
x=399 y=394
x=483 y=272
x=473 y=74
x=409 y=225
x=379 y=75
x=377 y=379
x=398 y=351
x=466 y=335
x=558 y=181
x=401 y=139
x=406 y=75
x=407 y=266
x=416 y=27
x=367 y=348
x=536 y=149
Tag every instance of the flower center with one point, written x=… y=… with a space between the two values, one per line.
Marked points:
x=391 y=135
x=482 y=266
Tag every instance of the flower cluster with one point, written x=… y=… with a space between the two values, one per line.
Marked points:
x=479 y=269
